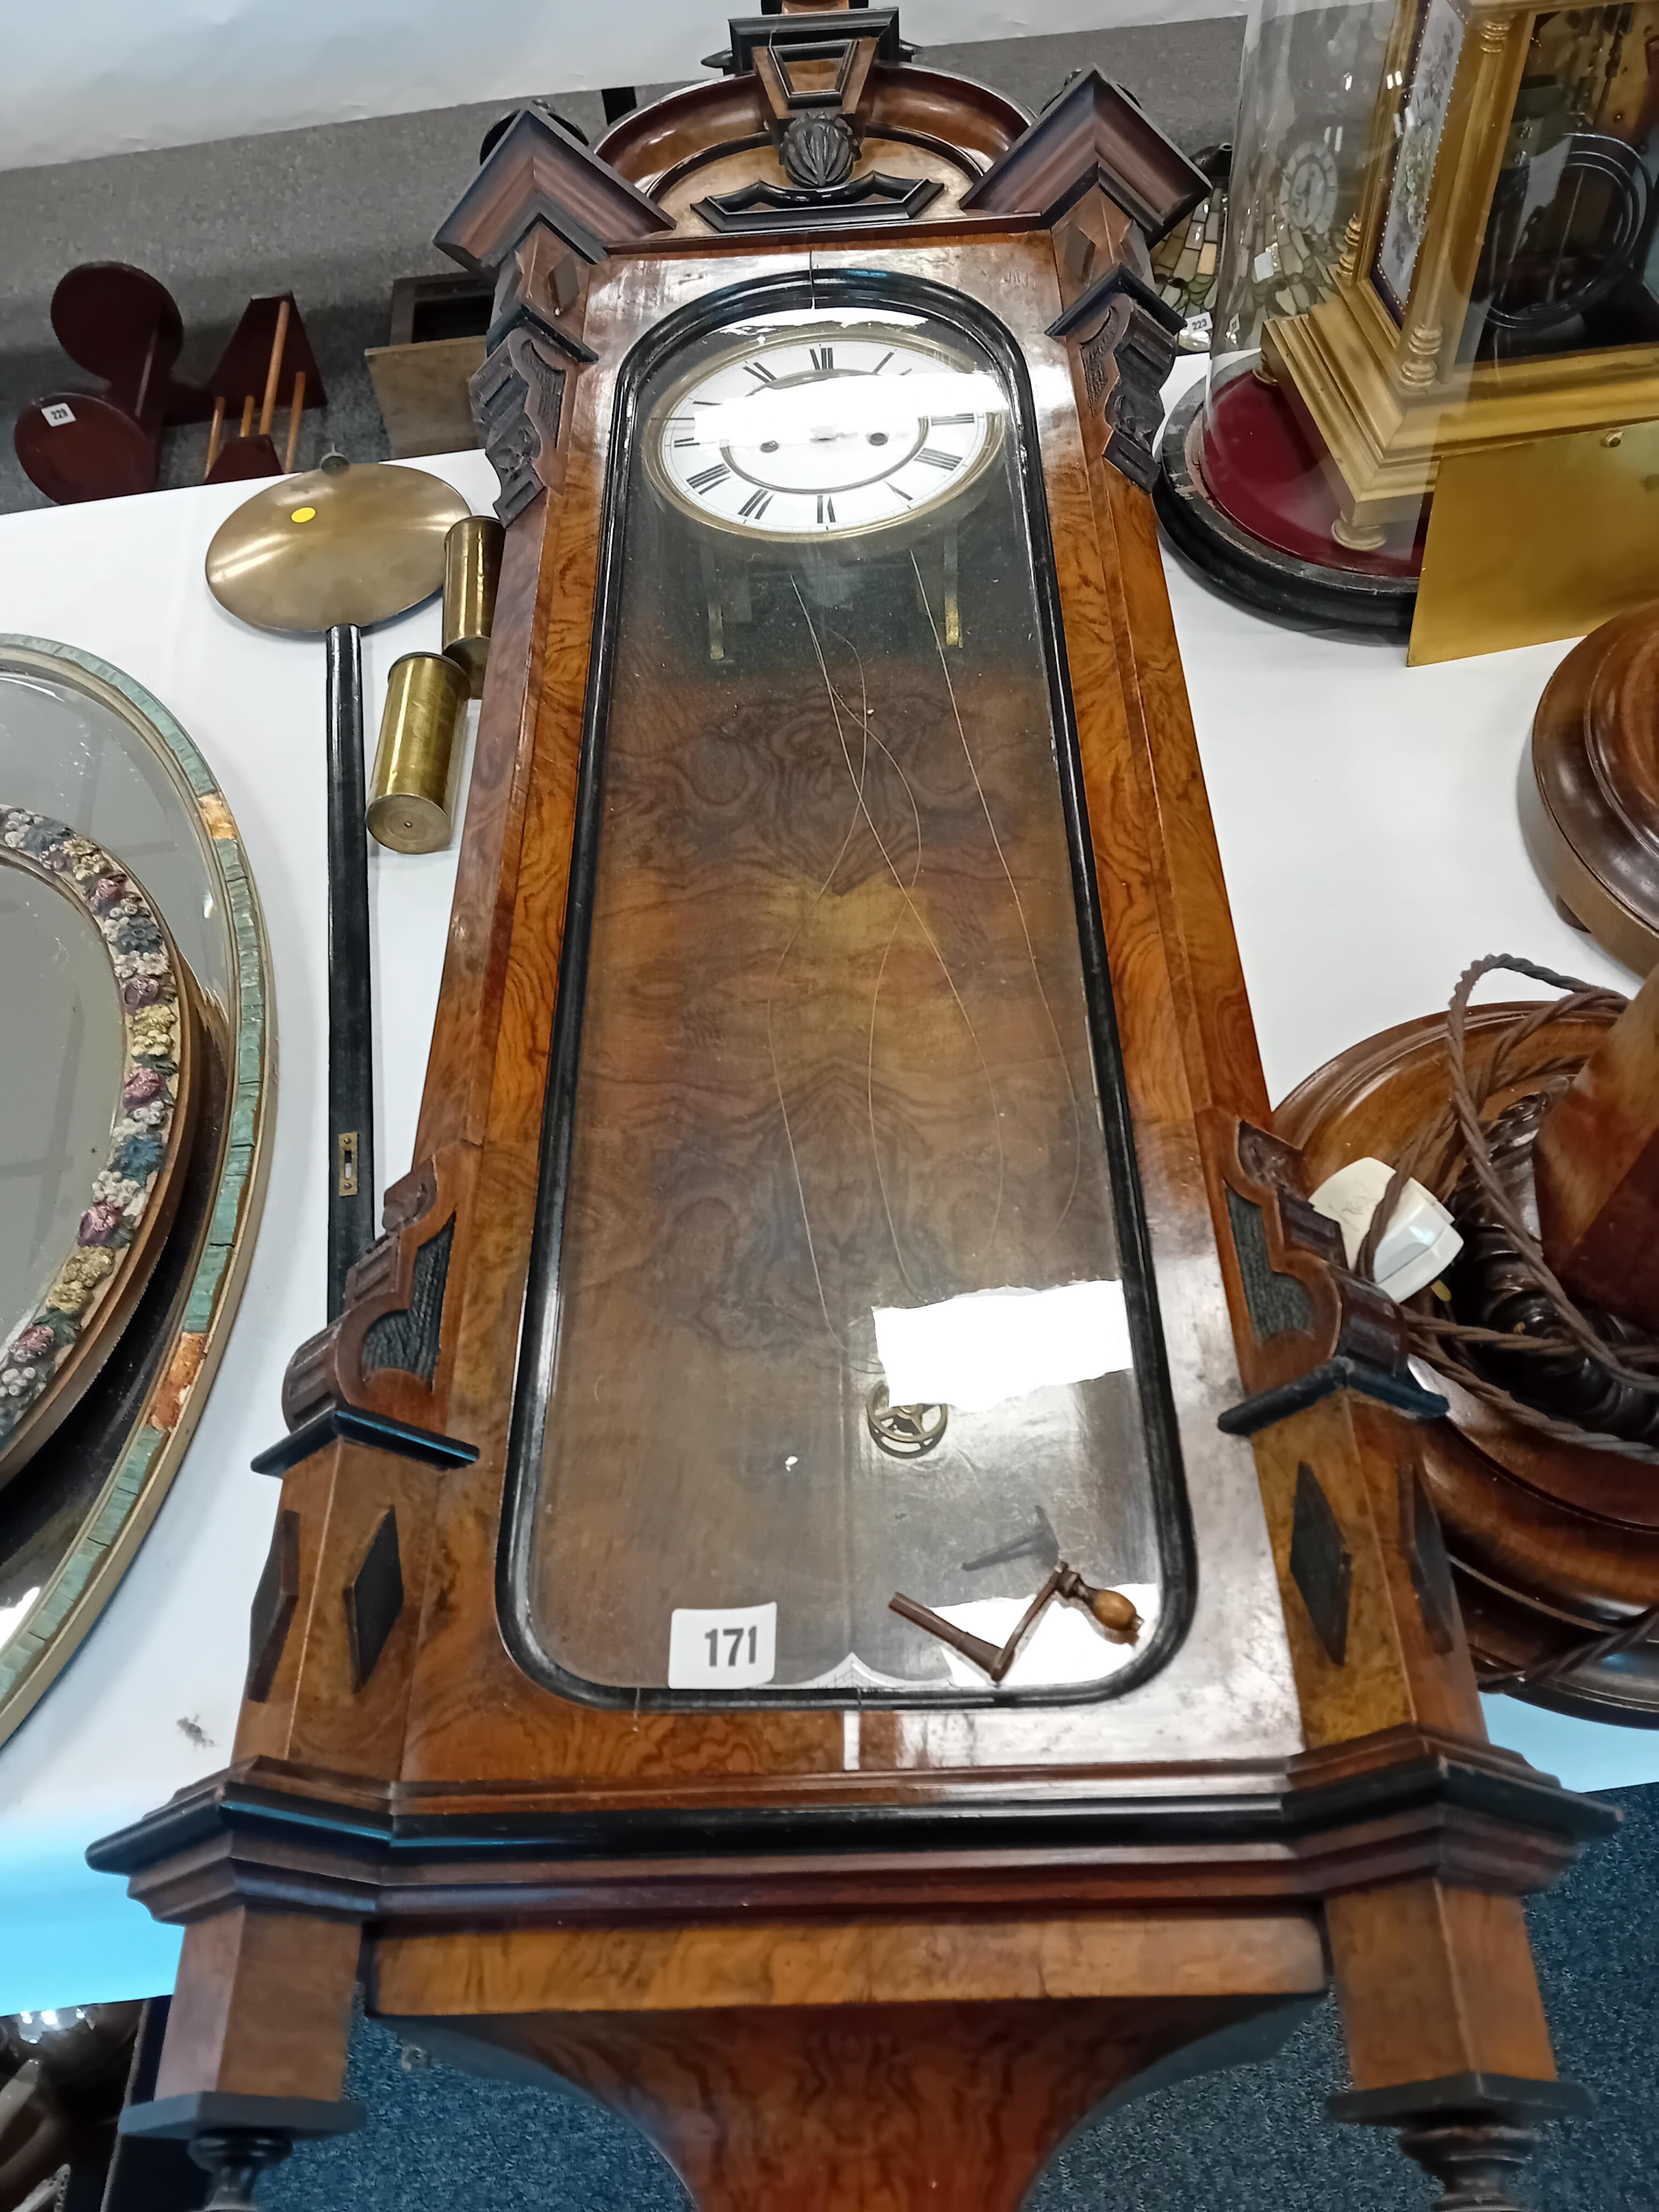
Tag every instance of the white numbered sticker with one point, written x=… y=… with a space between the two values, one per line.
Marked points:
x=57 y=415
x=733 y=1647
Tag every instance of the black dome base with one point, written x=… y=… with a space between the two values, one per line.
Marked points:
x=1334 y=601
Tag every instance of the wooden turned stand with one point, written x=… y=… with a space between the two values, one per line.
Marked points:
x=876 y=1941
x=1551 y=1545
x=1590 y=798
x=124 y=327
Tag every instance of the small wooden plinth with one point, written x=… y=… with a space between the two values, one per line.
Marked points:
x=1589 y=805
x=1551 y=1546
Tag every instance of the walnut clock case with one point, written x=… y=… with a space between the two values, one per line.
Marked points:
x=840 y=949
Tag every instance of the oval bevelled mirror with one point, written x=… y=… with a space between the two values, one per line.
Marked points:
x=132 y=1133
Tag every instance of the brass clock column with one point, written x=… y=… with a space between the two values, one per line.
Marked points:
x=842 y=1178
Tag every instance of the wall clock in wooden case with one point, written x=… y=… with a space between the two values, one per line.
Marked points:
x=841 y=1580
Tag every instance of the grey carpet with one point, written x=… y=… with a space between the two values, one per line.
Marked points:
x=335 y=213
x=1255 y=2137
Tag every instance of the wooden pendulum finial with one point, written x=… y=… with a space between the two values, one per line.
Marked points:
x=235 y=2158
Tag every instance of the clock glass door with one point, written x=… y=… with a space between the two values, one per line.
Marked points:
x=837 y=1289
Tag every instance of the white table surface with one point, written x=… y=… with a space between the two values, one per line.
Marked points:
x=1367 y=822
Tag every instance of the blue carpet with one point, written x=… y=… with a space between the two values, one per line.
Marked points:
x=1255 y=2137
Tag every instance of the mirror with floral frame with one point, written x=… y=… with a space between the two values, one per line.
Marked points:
x=133 y=1137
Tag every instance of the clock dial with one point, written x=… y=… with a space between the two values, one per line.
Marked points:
x=1308 y=189
x=824 y=429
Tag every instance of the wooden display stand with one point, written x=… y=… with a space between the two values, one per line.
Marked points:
x=433 y=350
x=1554 y=1544
x=852 y=1950
x=268 y=364
x=1589 y=805
x=124 y=327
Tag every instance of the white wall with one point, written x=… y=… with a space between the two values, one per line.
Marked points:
x=108 y=76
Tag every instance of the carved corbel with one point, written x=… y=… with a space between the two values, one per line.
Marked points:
x=1096 y=167
x=542 y=212
x=519 y=393
x=518 y=400
x=1124 y=337
x=390 y=1349
x=1303 y=1326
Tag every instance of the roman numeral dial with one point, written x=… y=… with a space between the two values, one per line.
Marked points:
x=832 y=427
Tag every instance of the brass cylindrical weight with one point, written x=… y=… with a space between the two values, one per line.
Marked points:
x=472 y=568
x=408 y=809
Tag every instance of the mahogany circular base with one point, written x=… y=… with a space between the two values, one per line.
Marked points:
x=1307 y=578
x=76 y=446
x=1551 y=1545
x=1590 y=797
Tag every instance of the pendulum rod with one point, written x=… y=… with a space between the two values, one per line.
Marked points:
x=352 y=1183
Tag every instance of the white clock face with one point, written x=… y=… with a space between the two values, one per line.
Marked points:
x=824 y=429
x=1308 y=188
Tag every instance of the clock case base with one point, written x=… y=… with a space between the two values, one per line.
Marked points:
x=1306 y=1779
x=780 y=2013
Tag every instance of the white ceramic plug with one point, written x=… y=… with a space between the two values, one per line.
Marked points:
x=1419 y=1243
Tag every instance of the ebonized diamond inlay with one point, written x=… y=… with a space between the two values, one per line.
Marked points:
x=1321 y=1565
x=274 y=1604
x=373 y=1600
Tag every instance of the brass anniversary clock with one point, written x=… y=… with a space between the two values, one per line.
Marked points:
x=854 y=1572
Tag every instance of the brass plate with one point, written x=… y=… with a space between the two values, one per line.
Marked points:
x=342 y=543
x=1538 y=541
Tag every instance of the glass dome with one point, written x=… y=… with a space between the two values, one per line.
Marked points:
x=1442 y=242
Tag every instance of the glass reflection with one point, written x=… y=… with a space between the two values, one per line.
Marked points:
x=835 y=1085
x=69 y=754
